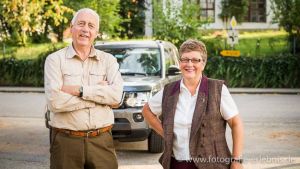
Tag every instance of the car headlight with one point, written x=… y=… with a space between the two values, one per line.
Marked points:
x=136 y=99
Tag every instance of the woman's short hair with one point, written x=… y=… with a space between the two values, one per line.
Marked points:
x=193 y=45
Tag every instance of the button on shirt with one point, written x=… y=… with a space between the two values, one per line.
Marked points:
x=93 y=110
x=184 y=114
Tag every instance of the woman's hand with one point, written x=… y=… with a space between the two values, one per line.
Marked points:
x=236 y=165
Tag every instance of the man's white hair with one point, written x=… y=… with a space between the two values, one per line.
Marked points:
x=87 y=10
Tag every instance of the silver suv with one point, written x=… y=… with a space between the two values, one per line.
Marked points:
x=146 y=66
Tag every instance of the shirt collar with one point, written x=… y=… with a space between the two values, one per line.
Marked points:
x=183 y=87
x=71 y=52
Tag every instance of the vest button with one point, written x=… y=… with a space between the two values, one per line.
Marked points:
x=203 y=135
x=203 y=125
x=202 y=145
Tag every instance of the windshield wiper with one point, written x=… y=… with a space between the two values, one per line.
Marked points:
x=134 y=73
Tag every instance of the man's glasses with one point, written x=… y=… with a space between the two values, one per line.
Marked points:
x=187 y=60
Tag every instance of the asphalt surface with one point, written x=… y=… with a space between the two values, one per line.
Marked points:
x=272 y=133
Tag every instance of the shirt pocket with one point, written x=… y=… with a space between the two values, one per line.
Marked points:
x=72 y=78
x=95 y=77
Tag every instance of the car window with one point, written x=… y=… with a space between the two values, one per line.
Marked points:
x=168 y=57
x=137 y=60
x=175 y=56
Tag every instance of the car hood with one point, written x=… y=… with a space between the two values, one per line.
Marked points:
x=140 y=83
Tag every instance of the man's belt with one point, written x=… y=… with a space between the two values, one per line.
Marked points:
x=88 y=133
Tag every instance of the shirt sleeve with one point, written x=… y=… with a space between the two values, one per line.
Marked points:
x=155 y=103
x=228 y=107
x=57 y=100
x=110 y=94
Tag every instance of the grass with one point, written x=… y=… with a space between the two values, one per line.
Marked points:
x=247 y=34
x=29 y=52
x=263 y=46
x=256 y=44
x=271 y=43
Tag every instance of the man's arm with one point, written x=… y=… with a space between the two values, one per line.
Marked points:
x=58 y=100
x=108 y=92
x=152 y=119
x=237 y=130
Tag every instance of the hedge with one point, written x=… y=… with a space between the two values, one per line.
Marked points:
x=23 y=72
x=270 y=72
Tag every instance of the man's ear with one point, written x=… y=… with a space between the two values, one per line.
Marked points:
x=71 y=28
x=99 y=35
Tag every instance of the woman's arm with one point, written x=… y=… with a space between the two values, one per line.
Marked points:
x=152 y=120
x=237 y=131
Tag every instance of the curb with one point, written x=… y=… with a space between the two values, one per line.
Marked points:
x=22 y=89
x=264 y=91
x=232 y=90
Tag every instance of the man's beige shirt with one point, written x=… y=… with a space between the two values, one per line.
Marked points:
x=93 y=110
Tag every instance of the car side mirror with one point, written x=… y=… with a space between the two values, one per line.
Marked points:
x=173 y=70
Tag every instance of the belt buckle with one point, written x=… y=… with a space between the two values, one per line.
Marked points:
x=87 y=133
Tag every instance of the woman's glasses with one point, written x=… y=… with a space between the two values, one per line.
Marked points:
x=187 y=60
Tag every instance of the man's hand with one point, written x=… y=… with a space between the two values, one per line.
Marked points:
x=71 y=89
x=74 y=89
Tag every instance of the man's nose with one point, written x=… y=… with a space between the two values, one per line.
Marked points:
x=85 y=28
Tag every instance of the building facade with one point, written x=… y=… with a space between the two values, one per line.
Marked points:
x=259 y=15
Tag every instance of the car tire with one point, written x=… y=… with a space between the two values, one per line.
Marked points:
x=155 y=143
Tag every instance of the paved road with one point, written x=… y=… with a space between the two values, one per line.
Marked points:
x=272 y=125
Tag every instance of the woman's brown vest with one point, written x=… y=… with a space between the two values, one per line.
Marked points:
x=208 y=146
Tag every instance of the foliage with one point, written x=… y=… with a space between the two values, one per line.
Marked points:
x=31 y=51
x=108 y=11
x=271 y=72
x=236 y=8
x=287 y=13
x=176 y=23
x=55 y=14
x=214 y=45
x=17 y=18
x=133 y=16
x=23 y=18
x=23 y=21
x=24 y=72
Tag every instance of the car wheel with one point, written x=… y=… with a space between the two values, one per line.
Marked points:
x=155 y=143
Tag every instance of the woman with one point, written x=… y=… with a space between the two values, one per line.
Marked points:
x=193 y=115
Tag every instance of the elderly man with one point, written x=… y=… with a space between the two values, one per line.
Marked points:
x=81 y=86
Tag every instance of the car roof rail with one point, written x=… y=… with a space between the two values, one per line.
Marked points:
x=100 y=42
x=158 y=41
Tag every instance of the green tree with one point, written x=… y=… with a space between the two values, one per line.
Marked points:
x=110 y=18
x=55 y=17
x=108 y=11
x=236 y=8
x=133 y=16
x=287 y=13
x=33 y=20
x=21 y=19
x=176 y=22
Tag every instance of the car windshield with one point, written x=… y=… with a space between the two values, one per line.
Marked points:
x=137 y=61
